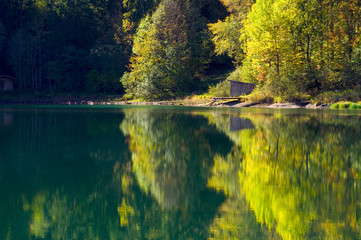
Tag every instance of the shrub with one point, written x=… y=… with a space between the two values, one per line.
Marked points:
x=338 y=96
x=261 y=96
x=345 y=105
x=355 y=106
x=334 y=106
x=220 y=90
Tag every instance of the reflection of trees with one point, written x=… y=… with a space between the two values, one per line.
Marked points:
x=235 y=219
x=299 y=173
x=58 y=183
x=172 y=154
x=52 y=140
x=67 y=176
x=73 y=179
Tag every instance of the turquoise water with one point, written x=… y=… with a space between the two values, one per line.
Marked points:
x=179 y=173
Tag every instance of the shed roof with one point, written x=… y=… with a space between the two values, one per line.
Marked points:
x=6 y=78
x=240 y=82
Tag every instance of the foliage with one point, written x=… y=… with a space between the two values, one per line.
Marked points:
x=170 y=52
x=261 y=96
x=355 y=106
x=67 y=46
x=294 y=49
x=336 y=96
x=345 y=105
x=220 y=90
x=227 y=32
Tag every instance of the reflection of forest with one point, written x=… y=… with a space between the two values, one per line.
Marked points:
x=69 y=175
x=56 y=174
x=298 y=173
x=166 y=174
x=172 y=155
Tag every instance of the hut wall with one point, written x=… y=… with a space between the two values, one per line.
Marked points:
x=240 y=88
x=6 y=84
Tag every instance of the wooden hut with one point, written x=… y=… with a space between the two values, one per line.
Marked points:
x=6 y=83
x=240 y=88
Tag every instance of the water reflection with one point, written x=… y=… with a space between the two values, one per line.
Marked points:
x=144 y=173
x=172 y=155
x=58 y=176
x=236 y=123
x=6 y=119
x=298 y=173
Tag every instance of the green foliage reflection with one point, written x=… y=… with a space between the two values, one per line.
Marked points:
x=172 y=155
x=298 y=173
x=150 y=173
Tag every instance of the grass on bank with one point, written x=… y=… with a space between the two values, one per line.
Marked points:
x=346 y=105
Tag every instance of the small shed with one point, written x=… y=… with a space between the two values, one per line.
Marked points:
x=6 y=83
x=240 y=88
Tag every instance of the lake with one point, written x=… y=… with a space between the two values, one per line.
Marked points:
x=93 y=172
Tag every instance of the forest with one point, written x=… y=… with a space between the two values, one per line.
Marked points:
x=165 y=49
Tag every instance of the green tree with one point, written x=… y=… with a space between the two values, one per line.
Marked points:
x=170 y=52
x=227 y=32
x=292 y=48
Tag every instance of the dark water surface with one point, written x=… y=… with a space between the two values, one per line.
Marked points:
x=176 y=173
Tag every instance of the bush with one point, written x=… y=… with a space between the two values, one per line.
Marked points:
x=355 y=106
x=220 y=90
x=352 y=95
x=346 y=105
x=261 y=96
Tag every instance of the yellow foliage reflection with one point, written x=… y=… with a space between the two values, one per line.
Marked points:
x=124 y=210
x=39 y=223
x=296 y=172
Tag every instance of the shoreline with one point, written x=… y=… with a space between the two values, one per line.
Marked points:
x=112 y=100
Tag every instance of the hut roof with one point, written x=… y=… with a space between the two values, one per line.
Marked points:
x=6 y=78
x=240 y=82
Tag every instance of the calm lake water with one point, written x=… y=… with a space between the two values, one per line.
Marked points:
x=176 y=173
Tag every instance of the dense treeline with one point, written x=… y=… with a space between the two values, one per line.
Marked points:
x=68 y=46
x=61 y=45
x=77 y=46
x=292 y=48
x=164 y=48
x=172 y=49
